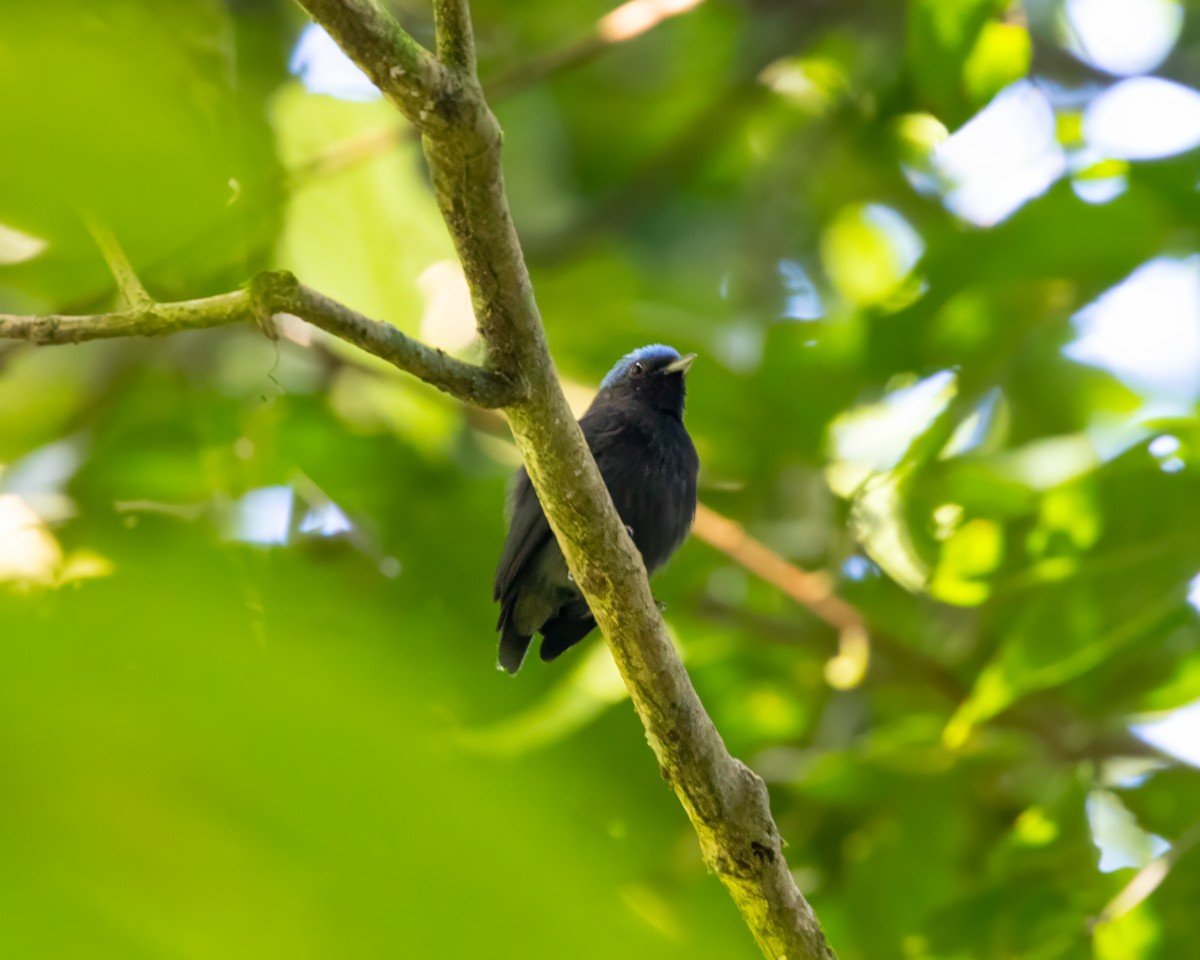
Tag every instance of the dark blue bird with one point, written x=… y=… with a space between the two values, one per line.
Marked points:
x=635 y=431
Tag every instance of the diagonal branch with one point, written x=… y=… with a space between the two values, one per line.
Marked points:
x=363 y=146
x=726 y=801
x=268 y=294
x=1150 y=877
x=280 y=292
x=405 y=72
x=129 y=287
x=813 y=590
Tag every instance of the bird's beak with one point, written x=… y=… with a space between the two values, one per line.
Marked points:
x=681 y=365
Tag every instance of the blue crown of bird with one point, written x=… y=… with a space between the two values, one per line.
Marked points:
x=653 y=354
x=635 y=431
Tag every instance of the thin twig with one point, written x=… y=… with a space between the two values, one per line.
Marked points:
x=604 y=36
x=129 y=288
x=813 y=590
x=1149 y=878
x=268 y=294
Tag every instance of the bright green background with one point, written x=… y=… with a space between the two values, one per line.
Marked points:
x=211 y=748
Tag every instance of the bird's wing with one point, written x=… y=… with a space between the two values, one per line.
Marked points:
x=605 y=428
x=613 y=438
x=527 y=531
x=528 y=528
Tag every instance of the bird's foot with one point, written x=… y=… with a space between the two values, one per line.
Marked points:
x=629 y=530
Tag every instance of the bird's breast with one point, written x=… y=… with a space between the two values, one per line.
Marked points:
x=652 y=479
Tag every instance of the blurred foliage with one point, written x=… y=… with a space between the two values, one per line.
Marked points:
x=245 y=632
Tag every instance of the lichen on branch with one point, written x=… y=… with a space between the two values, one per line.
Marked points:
x=266 y=295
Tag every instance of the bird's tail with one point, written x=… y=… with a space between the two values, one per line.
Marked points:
x=513 y=644
x=562 y=632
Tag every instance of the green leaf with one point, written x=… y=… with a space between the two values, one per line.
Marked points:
x=144 y=118
x=362 y=233
x=1001 y=55
x=941 y=37
x=1168 y=803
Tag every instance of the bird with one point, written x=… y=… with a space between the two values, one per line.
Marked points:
x=634 y=428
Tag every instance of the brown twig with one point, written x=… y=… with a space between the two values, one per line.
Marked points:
x=268 y=294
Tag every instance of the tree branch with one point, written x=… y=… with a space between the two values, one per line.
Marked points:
x=148 y=320
x=1149 y=878
x=405 y=72
x=363 y=146
x=726 y=801
x=280 y=292
x=813 y=590
x=268 y=294
x=129 y=287
x=455 y=37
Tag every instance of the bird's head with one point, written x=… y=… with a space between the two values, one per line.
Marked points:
x=652 y=376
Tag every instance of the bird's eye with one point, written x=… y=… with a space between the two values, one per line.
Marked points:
x=637 y=369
